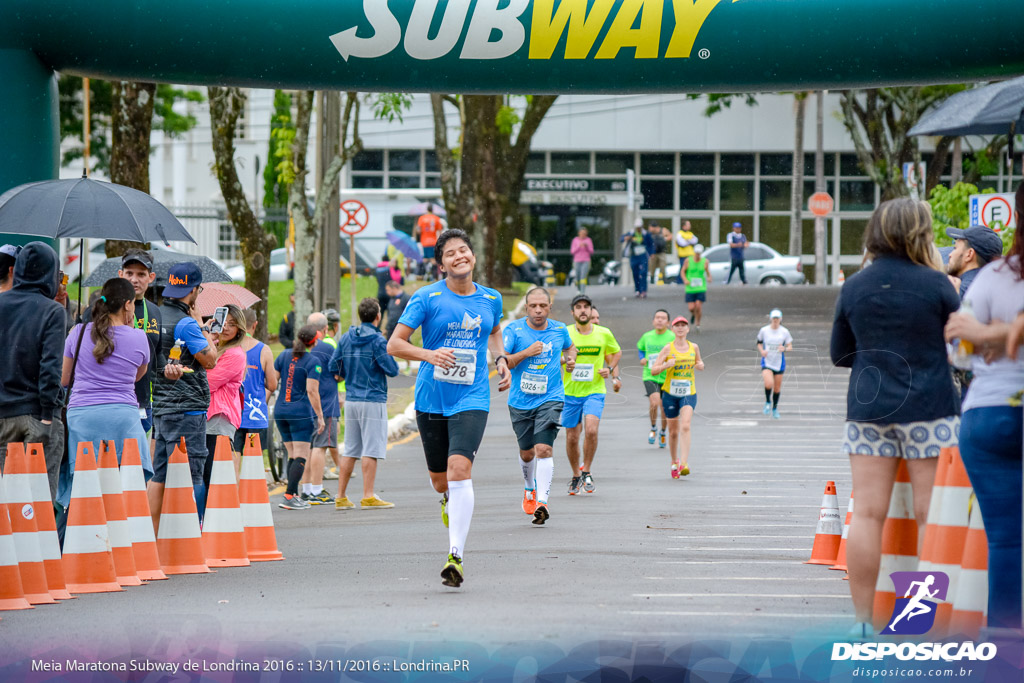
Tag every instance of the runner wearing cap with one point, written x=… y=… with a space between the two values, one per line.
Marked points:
x=597 y=357
x=648 y=347
x=773 y=340
x=678 y=360
x=696 y=276
x=459 y=324
x=537 y=396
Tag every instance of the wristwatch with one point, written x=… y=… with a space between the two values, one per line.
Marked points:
x=499 y=358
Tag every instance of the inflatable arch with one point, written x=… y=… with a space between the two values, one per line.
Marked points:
x=507 y=46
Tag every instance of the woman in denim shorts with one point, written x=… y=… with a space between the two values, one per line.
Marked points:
x=901 y=403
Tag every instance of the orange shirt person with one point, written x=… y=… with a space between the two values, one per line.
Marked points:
x=428 y=227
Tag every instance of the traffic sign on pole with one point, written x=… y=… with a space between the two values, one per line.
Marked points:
x=354 y=219
x=993 y=210
x=820 y=204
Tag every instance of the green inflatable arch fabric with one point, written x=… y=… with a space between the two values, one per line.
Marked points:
x=500 y=46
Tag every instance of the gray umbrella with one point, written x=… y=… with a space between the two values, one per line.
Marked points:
x=162 y=262
x=995 y=109
x=82 y=207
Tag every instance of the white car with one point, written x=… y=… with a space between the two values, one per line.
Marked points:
x=279 y=268
x=762 y=265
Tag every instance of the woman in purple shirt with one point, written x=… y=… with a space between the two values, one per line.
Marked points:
x=112 y=355
x=582 y=250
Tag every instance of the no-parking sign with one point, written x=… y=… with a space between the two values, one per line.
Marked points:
x=992 y=210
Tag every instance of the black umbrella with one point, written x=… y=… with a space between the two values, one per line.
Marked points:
x=162 y=262
x=82 y=207
x=991 y=110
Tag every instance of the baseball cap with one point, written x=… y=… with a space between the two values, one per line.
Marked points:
x=332 y=316
x=10 y=250
x=578 y=298
x=680 y=319
x=137 y=256
x=983 y=240
x=737 y=224
x=638 y=223
x=182 y=278
x=776 y=313
x=698 y=248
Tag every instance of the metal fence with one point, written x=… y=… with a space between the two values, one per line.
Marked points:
x=214 y=235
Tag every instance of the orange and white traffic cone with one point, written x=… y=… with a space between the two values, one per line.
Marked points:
x=49 y=544
x=899 y=545
x=841 y=279
x=88 y=563
x=179 y=540
x=830 y=529
x=946 y=533
x=841 y=554
x=260 y=539
x=970 y=603
x=117 y=521
x=136 y=507
x=223 y=532
x=22 y=511
x=12 y=594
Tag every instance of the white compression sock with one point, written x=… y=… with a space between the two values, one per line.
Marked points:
x=315 y=489
x=529 y=472
x=306 y=488
x=460 y=514
x=545 y=471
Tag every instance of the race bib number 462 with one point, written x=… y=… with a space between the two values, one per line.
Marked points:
x=583 y=372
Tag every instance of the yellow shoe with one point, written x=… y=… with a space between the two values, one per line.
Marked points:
x=684 y=470
x=375 y=502
x=343 y=503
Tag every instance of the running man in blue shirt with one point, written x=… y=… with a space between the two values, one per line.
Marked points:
x=534 y=346
x=459 y=324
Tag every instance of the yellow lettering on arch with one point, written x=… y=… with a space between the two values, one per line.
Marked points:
x=646 y=39
x=690 y=18
x=549 y=25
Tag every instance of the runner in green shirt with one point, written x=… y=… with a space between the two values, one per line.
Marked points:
x=650 y=344
x=696 y=276
x=597 y=358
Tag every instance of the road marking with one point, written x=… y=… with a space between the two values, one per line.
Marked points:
x=738 y=423
x=701 y=538
x=785 y=562
x=641 y=613
x=740 y=595
x=752 y=550
x=742 y=578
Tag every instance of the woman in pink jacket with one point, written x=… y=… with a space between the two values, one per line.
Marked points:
x=225 y=379
x=582 y=251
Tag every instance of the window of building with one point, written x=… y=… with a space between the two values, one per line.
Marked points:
x=227 y=242
x=404 y=160
x=737 y=164
x=856 y=195
x=433 y=181
x=430 y=161
x=367 y=182
x=617 y=164
x=369 y=160
x=701 y=228
x=697 y=164
x=776 y=164
x=535 y=163
x=850 y=165
x=774 y=231
x=657 y=194
x=830 y=164
x=657 y=164
x=776 y=195
x=737 y=195
x=851 y=235
x=402 y=182
x=697 y=195
x=576 y=163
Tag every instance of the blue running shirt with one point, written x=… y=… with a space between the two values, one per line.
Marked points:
x=463 y=324
x=254 y=391
x=537 y=379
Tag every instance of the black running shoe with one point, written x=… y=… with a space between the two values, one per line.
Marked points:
x=541 y=514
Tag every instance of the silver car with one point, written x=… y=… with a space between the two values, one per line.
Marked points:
x=762 y=265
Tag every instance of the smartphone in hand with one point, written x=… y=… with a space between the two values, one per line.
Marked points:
x=220 y=315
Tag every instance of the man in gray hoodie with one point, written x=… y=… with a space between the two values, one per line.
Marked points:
x=362 y=360
x=32 y=329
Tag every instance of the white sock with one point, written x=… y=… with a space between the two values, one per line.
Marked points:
x=529 y=472
x=545 y=471
x=307 y=488
x=316 y=490
x=460 y=514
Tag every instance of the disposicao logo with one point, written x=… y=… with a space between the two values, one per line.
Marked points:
x=914 y=614
x=631 y=24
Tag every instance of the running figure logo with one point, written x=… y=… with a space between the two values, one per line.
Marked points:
x=920 y=592
x=472 y=323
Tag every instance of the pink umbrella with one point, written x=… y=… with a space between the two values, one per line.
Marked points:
x=216 y=294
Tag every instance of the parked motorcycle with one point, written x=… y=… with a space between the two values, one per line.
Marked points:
x=528 y=267
x=609 y=275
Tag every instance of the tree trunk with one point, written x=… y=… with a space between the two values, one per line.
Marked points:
x=226 y=105
x=796 y=224
x=131 y=123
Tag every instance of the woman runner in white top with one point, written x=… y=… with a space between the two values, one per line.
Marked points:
x=773 y=341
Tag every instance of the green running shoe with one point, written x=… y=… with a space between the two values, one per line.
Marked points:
x=452 y=575
x=444 y=510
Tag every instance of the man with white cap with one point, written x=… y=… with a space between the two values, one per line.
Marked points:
x=773 y=340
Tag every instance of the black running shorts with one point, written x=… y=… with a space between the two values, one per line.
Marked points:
x=652 y=387
x=458 y=434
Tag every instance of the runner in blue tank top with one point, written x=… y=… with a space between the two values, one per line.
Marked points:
x=260 y=381
x=459 y=323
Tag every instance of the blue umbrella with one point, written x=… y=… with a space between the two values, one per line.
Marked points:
x=405 y=244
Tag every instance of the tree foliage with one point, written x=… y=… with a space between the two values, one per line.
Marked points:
x=275 y=188
x=951 y=209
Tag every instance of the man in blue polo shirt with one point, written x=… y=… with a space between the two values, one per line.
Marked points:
x=737 y=246
x=534 y=346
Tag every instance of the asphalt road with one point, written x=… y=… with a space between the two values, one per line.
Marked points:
x=645 y=556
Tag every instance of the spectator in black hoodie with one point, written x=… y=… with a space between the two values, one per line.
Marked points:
x=32 y=327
